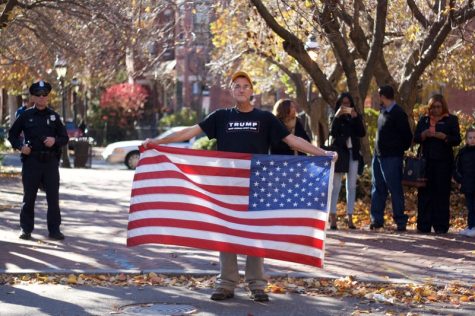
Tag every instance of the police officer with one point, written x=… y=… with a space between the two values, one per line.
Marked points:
x=44 y=136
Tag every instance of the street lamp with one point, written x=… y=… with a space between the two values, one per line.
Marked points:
x=311 y=46
x=61 y=68
x=75 y=84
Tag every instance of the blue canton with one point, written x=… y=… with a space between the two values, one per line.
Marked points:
x=289 y=182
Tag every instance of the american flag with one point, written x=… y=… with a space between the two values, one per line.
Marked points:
x=261 y=205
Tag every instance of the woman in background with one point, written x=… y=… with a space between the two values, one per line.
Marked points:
x=286 y=111
x=437 y=132
x=346 y=131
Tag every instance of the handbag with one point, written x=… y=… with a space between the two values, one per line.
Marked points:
x=414 y=171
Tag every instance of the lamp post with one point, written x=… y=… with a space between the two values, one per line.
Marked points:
x=311 y=47
x=61 y=68
x=75 y=84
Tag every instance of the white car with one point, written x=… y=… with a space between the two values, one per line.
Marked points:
x=128 y=151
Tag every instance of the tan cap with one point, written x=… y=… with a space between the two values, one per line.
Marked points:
x=241 y=74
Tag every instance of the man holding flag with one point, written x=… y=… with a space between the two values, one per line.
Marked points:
x=242 y=129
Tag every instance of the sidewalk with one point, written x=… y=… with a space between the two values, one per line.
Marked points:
x=94 y=206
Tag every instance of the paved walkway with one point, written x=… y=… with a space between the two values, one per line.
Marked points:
x=94 y=206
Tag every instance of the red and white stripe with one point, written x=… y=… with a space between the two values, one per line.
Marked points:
x=200 y=199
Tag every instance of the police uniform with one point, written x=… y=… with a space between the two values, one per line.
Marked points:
x=42 y=164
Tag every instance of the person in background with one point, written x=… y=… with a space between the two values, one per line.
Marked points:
x=286 y=111
x=257 y=130
x=437 y=132
x=346 y=130
x=465 y=175
x=44 y=136
x=393 y=138
x=25 y=105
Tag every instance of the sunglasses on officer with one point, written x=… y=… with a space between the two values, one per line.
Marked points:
x=40 y=94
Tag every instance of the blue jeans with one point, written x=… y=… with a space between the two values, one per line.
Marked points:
x=387 y=176
x=350 y=187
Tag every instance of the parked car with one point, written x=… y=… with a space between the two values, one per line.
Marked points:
x=127 y=152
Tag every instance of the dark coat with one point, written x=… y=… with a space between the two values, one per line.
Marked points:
x=394 y=134
x=465 y=169
x=343 y=127
x=281 y=148
x=434 y=148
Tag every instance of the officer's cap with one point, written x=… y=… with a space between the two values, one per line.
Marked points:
x=40 y=87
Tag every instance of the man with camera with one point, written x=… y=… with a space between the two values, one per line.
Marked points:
x=44 y=136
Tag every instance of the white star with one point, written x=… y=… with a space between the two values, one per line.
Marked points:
x=276 y=190
x=326 y=164
x=255 y=195
x=281 y=204
x=269 y=184
x=299 y=164
x=268 y=205
x=254 y=205
x=316 y=199
x=322 y=194
x=308 y=204
x=296 y=194
x=289 y=190
x=305 y=170
x=322 y=204
x=256 y=184
x=271 y=162
x=275 y=200
x=263 y=179
x=285 y=163
x=291 y=169
x=297 y=175
x=261 y=200
x=285 y=174
x=258 y=162
x=295 y=204
x=309 y=193
x=283 y=185
x=262 y=189
x=278 y=168
x=277 y=179
x=302 y=199
x=291 y=180
x=304 y=180
x=269 y=195
x=288 y=200
x=297 y=185
x=264 y=168
x=282 y=195
x=257 y=173
x=271 y=173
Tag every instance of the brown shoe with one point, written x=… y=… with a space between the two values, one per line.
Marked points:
x=221 y=294
x=259 y=296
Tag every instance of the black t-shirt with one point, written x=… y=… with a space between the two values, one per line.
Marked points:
x=244 y=132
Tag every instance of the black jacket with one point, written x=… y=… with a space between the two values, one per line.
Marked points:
x=36 y=125
x=342 y=128
x=281 y=148
x=394 y=134
x=434 y=148
x=465 y=169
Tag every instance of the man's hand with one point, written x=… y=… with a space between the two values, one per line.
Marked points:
x=49 y=142
x=25 y=150
x=147 y=142
x=332 y=154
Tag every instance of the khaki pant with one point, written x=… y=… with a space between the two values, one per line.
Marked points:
x=229 y=272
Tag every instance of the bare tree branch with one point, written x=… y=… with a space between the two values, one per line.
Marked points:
x=5 y=15
x=418 y=14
